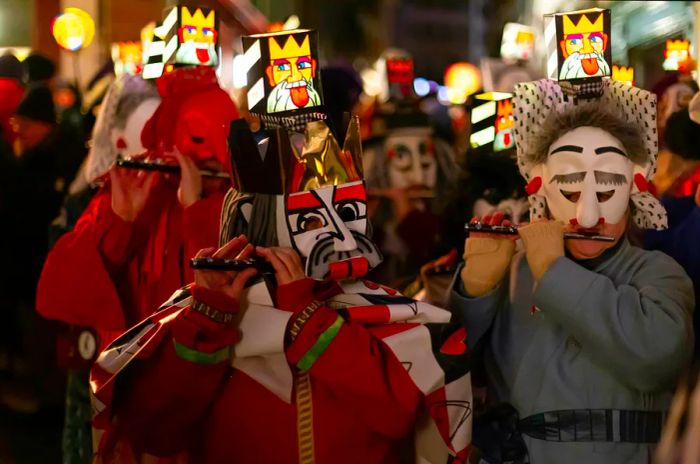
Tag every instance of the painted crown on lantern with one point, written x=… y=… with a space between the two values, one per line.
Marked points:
x=505 y=107
x=677 y=45
x=198 y=19
x=585 y=25
x=623 y=73
x=290 y=48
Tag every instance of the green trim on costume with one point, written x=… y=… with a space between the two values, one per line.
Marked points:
x=320 y=346
x=188 y=354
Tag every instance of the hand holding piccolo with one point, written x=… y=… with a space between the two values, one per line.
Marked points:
x=237 y=265
x=513 y=230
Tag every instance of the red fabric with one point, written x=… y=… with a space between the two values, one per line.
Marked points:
x=204 y=111
x=364 y=403
x=687 y=186
x=11 y=93
x=109 y=274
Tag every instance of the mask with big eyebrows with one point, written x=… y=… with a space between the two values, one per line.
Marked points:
x=587 y=178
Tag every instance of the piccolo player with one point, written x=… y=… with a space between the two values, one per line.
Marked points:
x=309 y=365
x=583 y=338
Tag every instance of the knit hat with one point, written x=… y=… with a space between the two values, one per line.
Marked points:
x=10 y=67
x=37 y=104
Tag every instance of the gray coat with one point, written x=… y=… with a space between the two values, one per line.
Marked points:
x=613 y=337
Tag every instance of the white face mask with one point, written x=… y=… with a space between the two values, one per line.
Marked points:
x=127 y=141
x=326 y=225
x=411 y=159
x=587 y=178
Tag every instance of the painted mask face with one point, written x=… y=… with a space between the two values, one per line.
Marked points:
x=290 y=74
x=197 y=36
x=583 y=47
x=127 y=141
x=587 y=178
x=411 y=159
x=327 y=226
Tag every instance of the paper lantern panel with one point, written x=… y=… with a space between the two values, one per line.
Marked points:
x=518 y=42
x=283 y=71
x=578 y=44
x=492 y=121
x=191 y=36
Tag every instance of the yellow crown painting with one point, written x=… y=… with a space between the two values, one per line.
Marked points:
x=505 y=107
x=677 y=45
x=584 y=26
x=623 y=74
x=198 y=19
x=291 y=47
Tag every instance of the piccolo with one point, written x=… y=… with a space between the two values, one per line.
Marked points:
x=220 y=264
x=131 y=163
x=512 y=230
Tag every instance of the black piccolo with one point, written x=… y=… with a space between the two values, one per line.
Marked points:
x=512 y=230
x=131 y=163
x=220 y=264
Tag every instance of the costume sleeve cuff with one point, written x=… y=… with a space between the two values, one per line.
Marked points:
x=216 y=299
x=296 y=295
x=314 y=338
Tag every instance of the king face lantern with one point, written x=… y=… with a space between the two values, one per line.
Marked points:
x=282 y=71
x=191 y=36
x=492 y=121
x=578 y=44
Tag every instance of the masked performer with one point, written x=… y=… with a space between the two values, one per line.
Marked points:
x=313 y=365
x=586 y=337
x=128 y=251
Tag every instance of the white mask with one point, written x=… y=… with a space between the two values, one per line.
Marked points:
x=587 y=178
x=411 y=158
x=130 y=135
x=326 y=225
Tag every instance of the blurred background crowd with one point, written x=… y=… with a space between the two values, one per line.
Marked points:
x=50 y=97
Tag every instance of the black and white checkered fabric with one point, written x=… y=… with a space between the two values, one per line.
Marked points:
x=294 y=123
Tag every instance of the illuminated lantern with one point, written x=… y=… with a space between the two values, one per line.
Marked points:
x=492 y=121
x=399 y=75
x=578 y=45
x=282 y=72
x=461 y=79
x=518 y=42
x=191 y=36
x=73 y=30
x=677 y=55
x=127 y=57
x=623 y=74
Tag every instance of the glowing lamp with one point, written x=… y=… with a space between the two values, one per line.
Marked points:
x=578 y=45
x=623 y=74
x=677 y=55
x=492 y=121
x=461 y=79
x=73 y=30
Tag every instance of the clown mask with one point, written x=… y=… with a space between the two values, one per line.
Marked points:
x=587 y=178
x=327 y=226
x=411 y=159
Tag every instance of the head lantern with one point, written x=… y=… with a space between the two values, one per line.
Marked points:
x=518 y=42
x=191 y=36
x=677 y=56
x=283 y=71
x=318 y=198
x=492 y=121
x=127 y=57
x=578 y=45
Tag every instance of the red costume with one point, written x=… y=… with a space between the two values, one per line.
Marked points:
x=170 y=384
x=108 y=273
